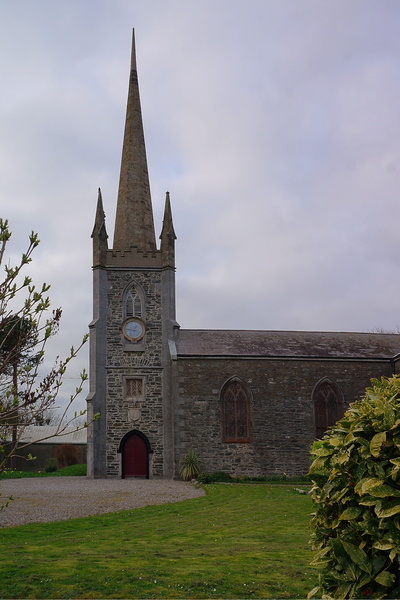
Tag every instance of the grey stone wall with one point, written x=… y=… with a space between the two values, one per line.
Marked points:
x=282 y=410
x=123 y=362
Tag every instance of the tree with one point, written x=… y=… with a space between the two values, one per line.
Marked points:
x=26 y=325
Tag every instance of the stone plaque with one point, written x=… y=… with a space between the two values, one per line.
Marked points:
x=133 y=414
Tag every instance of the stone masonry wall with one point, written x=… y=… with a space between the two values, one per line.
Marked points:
x=147 y=414
x=282 y=410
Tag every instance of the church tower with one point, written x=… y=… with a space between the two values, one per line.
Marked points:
x=133 y=328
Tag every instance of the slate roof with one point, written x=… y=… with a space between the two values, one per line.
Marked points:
x=35 y=434
x=287 y=344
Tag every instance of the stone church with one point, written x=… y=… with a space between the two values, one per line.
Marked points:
x=248 y=402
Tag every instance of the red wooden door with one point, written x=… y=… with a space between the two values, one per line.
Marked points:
x=134 y=457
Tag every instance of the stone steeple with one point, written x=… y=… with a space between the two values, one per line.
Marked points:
x=134 y=225
x=133 y=290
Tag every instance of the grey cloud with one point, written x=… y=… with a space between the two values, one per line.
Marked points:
x=274 y=125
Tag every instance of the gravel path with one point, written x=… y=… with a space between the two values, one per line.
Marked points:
x=44 y=499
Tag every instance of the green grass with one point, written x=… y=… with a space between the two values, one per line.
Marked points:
x=239 y=541
x=73 y=470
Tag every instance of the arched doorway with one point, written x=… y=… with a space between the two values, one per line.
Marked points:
x=135 y=450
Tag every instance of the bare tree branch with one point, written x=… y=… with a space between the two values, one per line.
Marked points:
x=26 y=325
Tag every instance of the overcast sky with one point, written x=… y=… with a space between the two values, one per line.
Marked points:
x=274 y=124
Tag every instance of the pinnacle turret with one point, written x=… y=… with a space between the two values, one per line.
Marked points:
x=99 y=234
x=168 y=236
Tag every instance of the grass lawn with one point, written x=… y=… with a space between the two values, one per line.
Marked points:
x=239 y=541
x=73 y=470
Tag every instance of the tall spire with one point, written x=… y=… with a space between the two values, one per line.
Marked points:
x=134 y=225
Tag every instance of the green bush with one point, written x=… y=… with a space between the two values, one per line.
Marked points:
x=51 y=465
x=356 y=495
x=218 y=477
x=222 y=477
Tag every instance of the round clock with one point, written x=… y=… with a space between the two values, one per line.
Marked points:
x=133 y=329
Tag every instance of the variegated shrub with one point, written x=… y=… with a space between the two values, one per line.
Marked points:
x=356 y=496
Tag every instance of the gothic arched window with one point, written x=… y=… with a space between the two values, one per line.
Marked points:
x=328 y=406
x=236 y=411
x=133 y=303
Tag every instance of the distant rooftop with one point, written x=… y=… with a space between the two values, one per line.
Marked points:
x=70 y=435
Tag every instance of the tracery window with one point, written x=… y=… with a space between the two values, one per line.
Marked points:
x=134 y=388
x=328 y=407
x=236 y=412
x=133 y=303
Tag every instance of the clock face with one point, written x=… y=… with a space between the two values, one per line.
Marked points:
x=133 y=329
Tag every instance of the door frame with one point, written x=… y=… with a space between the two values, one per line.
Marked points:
x=148 y=450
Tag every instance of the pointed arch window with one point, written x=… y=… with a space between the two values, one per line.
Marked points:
x=236 y=411
x=133 y=303
x=328 y=406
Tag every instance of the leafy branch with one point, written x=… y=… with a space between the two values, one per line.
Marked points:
x=26 y=325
